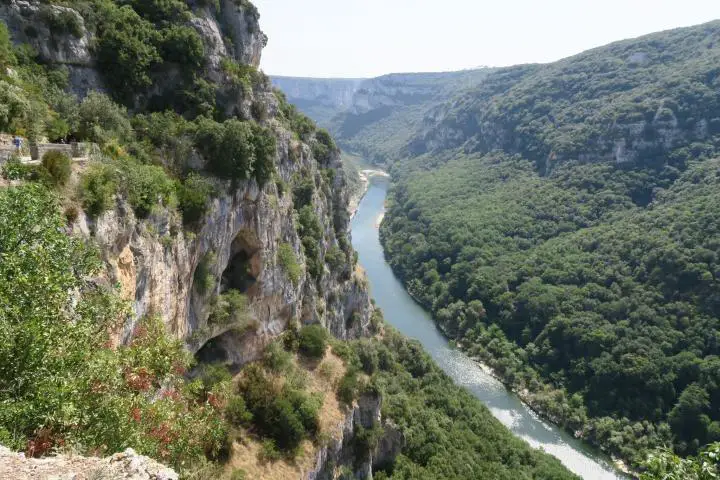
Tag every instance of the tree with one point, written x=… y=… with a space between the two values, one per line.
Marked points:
x=664 y=465
x=100 y=119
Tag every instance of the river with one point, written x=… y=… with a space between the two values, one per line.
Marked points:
x=412 y=320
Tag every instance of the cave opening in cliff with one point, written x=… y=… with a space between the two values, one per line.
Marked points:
x=214 y=351
x=238 y=274
x=242 y=270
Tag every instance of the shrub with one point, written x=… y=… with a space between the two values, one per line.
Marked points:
x=269 y=452
x=237 y=150
x=348 y=388
x=212 y=375
x=313 y=340
x=14 y=169
x=238 y=474
x=204 y=280
x=265 y=152
x=336 y=259
x=193 y=197
x=100 y=119
x=303 y=190
x=323 y=146
x=146 y=187
x=227 y=147
x=237 y=413
x=15 y=107
x=182 y=45
x=311 y=235
x=288 y=261
x=231 y=308
x=62 y=21
x=276 y=358
x=308 y=410
x=160 y=11
x=283 y=423
x=97 y=188
x=58 y=165
x=126 y=50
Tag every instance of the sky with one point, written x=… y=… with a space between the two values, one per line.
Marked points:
x=368 y=38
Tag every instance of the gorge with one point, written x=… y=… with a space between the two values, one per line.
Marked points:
x=192 y=300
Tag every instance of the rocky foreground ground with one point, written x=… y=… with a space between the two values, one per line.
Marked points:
x=127 y=465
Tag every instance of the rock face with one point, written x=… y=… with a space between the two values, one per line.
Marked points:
x=34 y=23
x=242 y=21
x=320 y=98
x=127 y=465
x=345 y=452
x=60 y=37
x=155 y=262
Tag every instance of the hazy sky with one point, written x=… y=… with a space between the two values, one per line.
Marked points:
x=362 y=38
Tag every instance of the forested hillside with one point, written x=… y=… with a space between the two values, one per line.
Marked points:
x=561 y=221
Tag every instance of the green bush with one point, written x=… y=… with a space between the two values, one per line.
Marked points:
x=313 y=340
x=348 y=387
x=336 y=259
x=182 y=45
x=101 y=120
x=311 y=235
x=237 y=150
x=288 y=261
x=213 y=375
x=276 y=358
x=231 y=308
x=15 y=107
x=237 y=413
x=269 y=452
x=160 y=11
x=193 y=197
x=61 y=22
x=14 y=169
x=265 y=146
x=126 y=50
x=146 y=187
x=58 y=165
x=303 y=191
x=238 y=474
x=323 y=146
x=97 y=189
x=204 y=280
x=286 y=414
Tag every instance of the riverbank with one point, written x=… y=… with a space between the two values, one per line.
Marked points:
x=365 y=177
x=527 y=398
x=523 y=394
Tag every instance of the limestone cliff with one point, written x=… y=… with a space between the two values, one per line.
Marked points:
x=178 y=273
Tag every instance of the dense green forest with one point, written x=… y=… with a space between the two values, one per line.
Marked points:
x=561 y=221
x=449 y=434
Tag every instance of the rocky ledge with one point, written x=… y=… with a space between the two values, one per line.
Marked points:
x=127 y=465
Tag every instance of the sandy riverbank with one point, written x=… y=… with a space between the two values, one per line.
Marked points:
x=365 y=176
